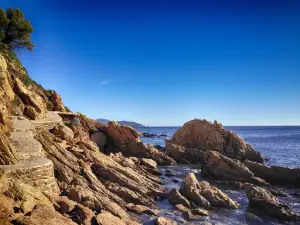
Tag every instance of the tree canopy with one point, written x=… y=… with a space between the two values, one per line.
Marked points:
x=15 y=30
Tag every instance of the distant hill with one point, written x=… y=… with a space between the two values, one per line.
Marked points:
x=123 y=122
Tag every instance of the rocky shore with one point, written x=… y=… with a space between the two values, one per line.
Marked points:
x=60 y=167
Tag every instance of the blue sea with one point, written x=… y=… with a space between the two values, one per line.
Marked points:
x=280 y=144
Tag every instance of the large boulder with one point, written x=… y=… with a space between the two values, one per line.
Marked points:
x=143 y=150
x=208 y=136
x=219 y=166
x=184 y=155
x=122 y=134
x=203 y=194
x=275 y=174
x=263 y=200
x=63 y=132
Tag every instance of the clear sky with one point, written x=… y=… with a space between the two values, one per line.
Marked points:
x=167 y=62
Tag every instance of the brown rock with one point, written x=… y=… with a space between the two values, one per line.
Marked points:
x=8 y=154
x=216 y=197
x=190 y=189
x=275 y=174
x=263 y=200
x=106 y=218
x=122 y=134
x=220 y=166
x=100 y=139
x=149 y=163
x=142 y=150
x=26 y=196
x=139 y=209
x=164 y=221
x=184 y=155
x=31 y=112
x=181 y=208
x=63 y=132
x=31 y=98
x=203 y=194
x=44 y=215
x=6 y=207
x=207 y=136
x=58 y=105
x=176 y=198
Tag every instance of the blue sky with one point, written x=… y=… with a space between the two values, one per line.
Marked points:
x=167 y=62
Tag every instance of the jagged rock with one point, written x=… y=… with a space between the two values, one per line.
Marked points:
x=176 y=198
x=83 y=215
x=182 y=208
x=63 y=132
x=275 y=174
x=63 y=203
x=195 y=214
x=58 y=105
x=216 y=197
x=31 y=98
x=184 y=155
x=149 y=163
x=139 y=209
x=8 y=154
x=220 y=166
x=122 y=134
x=164 y=221
x=6 y=207
x=106 y=218
x=25 y=196
x=5 y=122
x=31 y=112
x=190 y=189
x=43 y=214
x=207 y=136
x=263 y=200
x=100 y=139
x=5 y=81
x=202 y=194
x=142 y=150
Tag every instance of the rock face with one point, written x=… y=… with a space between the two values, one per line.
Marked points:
x=63 y=132
x=222 y=167
x=184 y=155
x=58 y=105
x=32 y=99
x=275 y=174
x=207 y=136
x=100 y=139
x=263 y=200
x=122 y=134
x=202 y=194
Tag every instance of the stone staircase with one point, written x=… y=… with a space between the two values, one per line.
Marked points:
x=33 y=167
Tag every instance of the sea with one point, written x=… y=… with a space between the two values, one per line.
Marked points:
x=279 y=144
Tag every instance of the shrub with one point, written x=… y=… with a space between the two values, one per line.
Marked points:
x=16 y=102
x=50 y=105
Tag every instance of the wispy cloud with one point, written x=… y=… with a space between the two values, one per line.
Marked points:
x=104 y=82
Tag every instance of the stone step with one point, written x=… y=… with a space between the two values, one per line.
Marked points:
x=50 y=121
x=21 y=123
x=38 y=173
x=26 y=146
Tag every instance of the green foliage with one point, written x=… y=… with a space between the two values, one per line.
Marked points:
x=48 y=93
x=50 y=105
x=15 y=30
x=13 y=57
x=27 y=80
x=16 y=102
x=68 y=110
